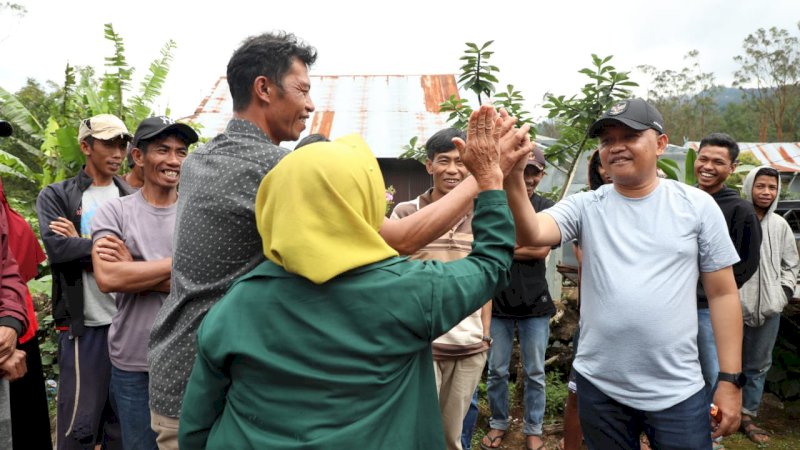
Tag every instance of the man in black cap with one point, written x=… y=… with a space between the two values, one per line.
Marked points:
x=132 y=256
x=646 y=241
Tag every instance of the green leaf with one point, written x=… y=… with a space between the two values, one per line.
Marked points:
x=13 y=111
x=688 y=168
x=668 y=169
x=670 y=162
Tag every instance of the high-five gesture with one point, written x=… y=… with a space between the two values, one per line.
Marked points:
x=481 y=152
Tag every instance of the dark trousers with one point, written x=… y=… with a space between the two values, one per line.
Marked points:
x=609 y=424
x=30 y=418
x=85 y=413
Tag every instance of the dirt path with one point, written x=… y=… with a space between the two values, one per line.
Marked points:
x=784 y=430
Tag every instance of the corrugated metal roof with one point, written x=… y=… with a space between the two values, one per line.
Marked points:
x=387 y=110
x=783 y=156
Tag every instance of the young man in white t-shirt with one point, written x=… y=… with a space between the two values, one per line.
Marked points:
x=81 y=312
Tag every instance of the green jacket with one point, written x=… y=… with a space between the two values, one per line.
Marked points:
x=286 y=364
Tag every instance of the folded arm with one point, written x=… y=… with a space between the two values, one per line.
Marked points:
x=61 y=240
x=115 y=271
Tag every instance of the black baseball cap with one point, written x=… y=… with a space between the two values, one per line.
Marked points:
x=635 y=113
x=5 y=129
x=153 y=126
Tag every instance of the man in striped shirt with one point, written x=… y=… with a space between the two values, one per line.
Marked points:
x=459 y=354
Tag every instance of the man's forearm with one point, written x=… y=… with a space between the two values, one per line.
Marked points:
x=131 y=276
x=411 y=233
x=531 y=253
x=522 y=210
x=726 y=319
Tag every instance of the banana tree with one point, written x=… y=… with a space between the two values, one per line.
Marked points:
x=53 y=144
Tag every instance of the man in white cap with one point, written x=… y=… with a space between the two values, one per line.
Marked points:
x=83 y=313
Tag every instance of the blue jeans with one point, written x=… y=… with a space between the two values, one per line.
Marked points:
x=608 y=424
x=131 y=395
x=469 y=423
x=533 y=335
x=757 y=348
x=707 y=351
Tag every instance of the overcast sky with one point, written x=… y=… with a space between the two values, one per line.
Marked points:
x=539 y=46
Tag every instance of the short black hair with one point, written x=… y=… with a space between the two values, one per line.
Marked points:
x=269 y=55
x=442 y=141
x=595 y=179
x=721 y=140
x=310 y=139
x=768 y=172
x=131 y=161
x=144 y=143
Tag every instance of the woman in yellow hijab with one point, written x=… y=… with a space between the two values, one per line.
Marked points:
x=327 y=344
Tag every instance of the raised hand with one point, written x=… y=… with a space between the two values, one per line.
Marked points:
x=515 y=143
x=481 y=152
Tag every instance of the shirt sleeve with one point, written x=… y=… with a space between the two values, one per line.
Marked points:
x=716 y=250
x=567 y=215
x=12 y=288
x=108 y=220
x=460 y=287
x=746 y=235
x=206 y=391
x=59 y=248
x=790 y=264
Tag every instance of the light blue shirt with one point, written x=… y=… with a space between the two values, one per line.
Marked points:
x=641 y=261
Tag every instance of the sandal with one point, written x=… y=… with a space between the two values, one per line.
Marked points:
x=498 y=438
x=752 y=431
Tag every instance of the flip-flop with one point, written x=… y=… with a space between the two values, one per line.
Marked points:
x=751 y=430
x=499 y=437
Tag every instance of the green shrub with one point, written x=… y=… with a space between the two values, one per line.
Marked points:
x=556 y=393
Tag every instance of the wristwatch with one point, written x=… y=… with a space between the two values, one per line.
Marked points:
x=487 y=339
x=737 y=379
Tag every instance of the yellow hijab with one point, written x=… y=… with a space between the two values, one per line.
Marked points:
x=319 y=210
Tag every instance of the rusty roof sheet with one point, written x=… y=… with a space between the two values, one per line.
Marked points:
x=387 y=110
x=783 y=156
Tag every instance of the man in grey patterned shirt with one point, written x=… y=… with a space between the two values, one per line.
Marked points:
x=216 y=240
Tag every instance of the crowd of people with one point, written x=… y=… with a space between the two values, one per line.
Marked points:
x=269 y=303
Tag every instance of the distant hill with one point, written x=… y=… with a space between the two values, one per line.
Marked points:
x=728 y=95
